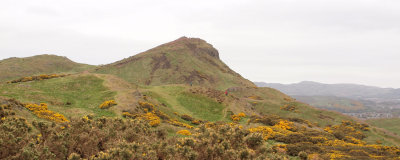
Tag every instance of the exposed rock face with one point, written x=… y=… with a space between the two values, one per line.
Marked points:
x=196 y=45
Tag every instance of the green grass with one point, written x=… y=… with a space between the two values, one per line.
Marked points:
x=167 y=109
x=375 y=135
x=85 y=93
x=14 y=68
x=176 y=99
x=392 y=124
x=201 y=106
x=321 y=117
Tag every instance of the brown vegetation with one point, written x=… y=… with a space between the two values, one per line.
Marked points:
x=136 y=138
x=37 y=78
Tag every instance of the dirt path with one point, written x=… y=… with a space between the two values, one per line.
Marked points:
x=127 y=94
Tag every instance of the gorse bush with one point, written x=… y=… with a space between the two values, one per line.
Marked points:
x=41 y=111
x=268 y=120
x=238 y=117
x=107 y=104
x=289 y=107
x=348 y=129
x=149 y=107
x=184 y=132
x=135 y=137
x=115 y=138
x=335 y=142
x=255 y=97
x=187 y=117
x=152 y=119
x=37 y=78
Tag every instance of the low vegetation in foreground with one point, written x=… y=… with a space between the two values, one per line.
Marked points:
x=149 y=135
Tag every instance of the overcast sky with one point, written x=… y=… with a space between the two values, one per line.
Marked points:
x=284 y=41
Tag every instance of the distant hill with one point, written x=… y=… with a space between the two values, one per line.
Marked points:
x=13 y=68
x=340 y=104
x=183 y=61
x=341 y=97
x=308 y=88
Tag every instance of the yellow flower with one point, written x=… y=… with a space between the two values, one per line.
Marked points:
x=184 y=132
x=42 y=112
x=108 y=104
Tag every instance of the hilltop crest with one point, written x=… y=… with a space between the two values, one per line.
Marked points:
x=197 y=46
x=182 y=61
x=12 y=68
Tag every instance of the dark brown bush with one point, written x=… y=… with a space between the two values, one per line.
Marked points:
x=187 y=117
x=254 y=140
x=293 y=138
x=295 y=149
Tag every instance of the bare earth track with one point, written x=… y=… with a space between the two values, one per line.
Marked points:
x=127 y=94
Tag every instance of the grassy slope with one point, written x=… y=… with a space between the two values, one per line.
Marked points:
x=387 y=128
x=179 y=62
x=13 y=68
x=175 y=98
x=272 y=100
x=126 y=96
x=388 y=124
x=84 y=92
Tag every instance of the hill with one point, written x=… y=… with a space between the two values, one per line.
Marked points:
x=340 y=104
x=183 y=61
x=13 y=68
x=73 y=96
x=343 y=97
x=169 y=103
x=308 y=88
x=391 y=124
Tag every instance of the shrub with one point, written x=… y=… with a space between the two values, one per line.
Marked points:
x=289 y=107
x=36 y=78
x=154 y=123
x=254 y=97
x=196 y=122
x=74 y=156
x=187 y=117
x=153 y=119
x=146 y=105
x=184 y=132
x=236 y=118
x=359 y=153
x=293 y=138
x=267 y=132
x=295 y=149
x=179 y=124
x=284 y=124
x=42 y=112
x=269 y=120
x=254 y=140
x=303 y=155
x=107 y=104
